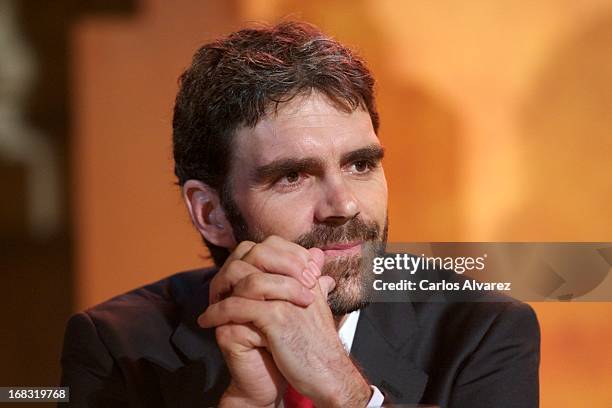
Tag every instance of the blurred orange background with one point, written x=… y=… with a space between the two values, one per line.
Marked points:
x=496 y=117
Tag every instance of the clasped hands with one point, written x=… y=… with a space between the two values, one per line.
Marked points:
x=268 y=304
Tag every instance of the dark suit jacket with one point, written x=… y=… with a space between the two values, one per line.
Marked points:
x=144 y=349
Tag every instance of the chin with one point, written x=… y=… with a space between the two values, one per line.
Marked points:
x=340 y=307
x=353 y=285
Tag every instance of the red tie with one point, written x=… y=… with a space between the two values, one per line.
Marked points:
x=294 y=399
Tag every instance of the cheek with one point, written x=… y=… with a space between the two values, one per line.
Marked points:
x=372 y=198
x=291 y=215
x=288 y=217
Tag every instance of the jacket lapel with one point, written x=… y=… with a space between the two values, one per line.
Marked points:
x=382 y=340
x=204 y=377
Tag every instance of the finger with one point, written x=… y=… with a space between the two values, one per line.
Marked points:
x=286 y=245
x=240 y=310
x=284 y=259
x=231 y=337
x=225 y=280
x=241 y=250
x=267 y=286
x=218 y=286
x=318 y=257
x=327 y=284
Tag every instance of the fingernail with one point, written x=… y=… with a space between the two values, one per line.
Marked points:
x=314 y=268
x=308 y=277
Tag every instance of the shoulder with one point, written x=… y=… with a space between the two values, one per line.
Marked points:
x=161 y=297
x=142 y=318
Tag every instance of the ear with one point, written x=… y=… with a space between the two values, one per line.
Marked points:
x=207 y=215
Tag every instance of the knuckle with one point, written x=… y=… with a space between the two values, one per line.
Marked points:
x=245 y=245
x=294 y=288
x=229 y=263
x=222 y=281
x=272 y=239
x=297 y=262
x=252 y=283
x=243 y=249
x=238 y=270
x=302 y=252
x=225 y=306
x=299 y=254
x=288 y=286
x=277 y=280
x=234 y=266
x=257 y=252
x=274 y=286
x=278 y=313
x=224 y=334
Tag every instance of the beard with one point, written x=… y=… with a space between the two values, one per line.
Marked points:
x=353 y=274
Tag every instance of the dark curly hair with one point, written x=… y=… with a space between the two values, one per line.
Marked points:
x=235 y=81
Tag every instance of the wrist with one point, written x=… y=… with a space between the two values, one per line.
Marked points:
x=233 y=398
x=353 y=391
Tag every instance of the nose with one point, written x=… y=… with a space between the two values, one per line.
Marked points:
x=337 y=204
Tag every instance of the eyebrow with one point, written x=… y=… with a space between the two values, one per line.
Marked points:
x=278 y=168
x=373 y=153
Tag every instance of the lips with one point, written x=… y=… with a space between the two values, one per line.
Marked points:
x=342 y=249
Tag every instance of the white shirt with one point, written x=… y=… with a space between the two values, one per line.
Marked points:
x=347 y=335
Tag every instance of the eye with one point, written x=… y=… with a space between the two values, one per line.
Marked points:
x=362 y=166
x=291 y=180
x=292 y=177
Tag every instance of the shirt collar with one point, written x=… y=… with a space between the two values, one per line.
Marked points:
x=347 y=330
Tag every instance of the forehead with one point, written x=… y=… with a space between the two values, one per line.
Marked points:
x=306 y=125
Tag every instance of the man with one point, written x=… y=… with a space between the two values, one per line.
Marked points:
x=278 y=158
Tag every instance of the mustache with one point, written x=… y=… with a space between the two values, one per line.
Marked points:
x=354 y=230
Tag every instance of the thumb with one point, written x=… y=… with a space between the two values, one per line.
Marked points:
x=327 y=284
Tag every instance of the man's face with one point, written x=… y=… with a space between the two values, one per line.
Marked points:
x=312 y=174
